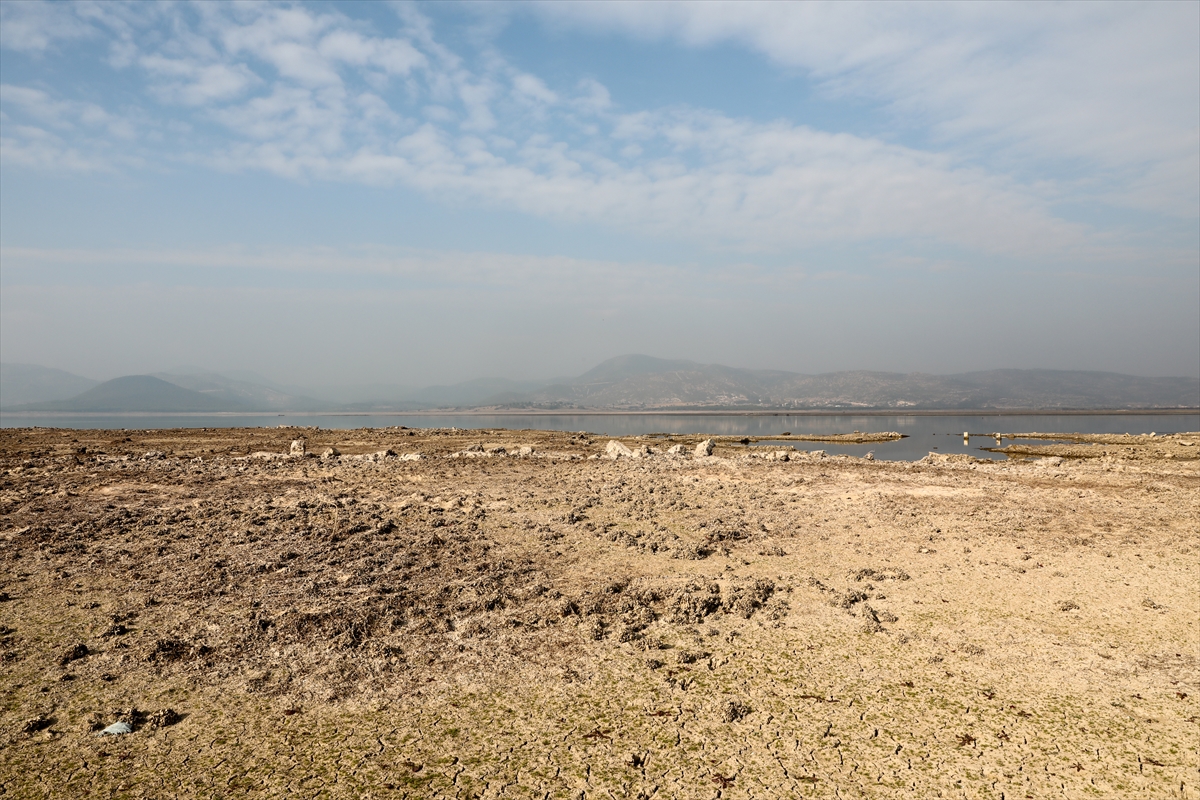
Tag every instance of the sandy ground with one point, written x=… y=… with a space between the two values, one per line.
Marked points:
x=544 y=623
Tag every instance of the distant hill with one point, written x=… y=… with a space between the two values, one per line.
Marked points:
x=634 y=382
x=239 y=394
x=136 y=393
x=29 y=383
x=646 y=382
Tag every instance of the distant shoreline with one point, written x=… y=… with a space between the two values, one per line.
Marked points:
x=972 y=412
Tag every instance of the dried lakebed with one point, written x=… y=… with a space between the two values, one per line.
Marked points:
x=507 y=616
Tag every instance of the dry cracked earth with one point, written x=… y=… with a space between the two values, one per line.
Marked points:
x=511 y=616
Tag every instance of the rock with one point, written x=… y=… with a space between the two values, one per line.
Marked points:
x=411 y=457
x=782 y=455
x=496 y=451
x=298 y=447
x=74 y=654
x=705 y=448
x=525 y=450
x=35 y=724
x=330 y=453
x=676 y=450
x=475 y=448
x=164 y=718
x=948 y=458
x=615 y=449
x=116 y=729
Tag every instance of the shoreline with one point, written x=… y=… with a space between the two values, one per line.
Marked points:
x=967 y=412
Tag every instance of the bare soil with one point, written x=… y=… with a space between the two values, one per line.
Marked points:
x=512 y=616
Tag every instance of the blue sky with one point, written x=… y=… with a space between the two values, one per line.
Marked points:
x=426 y=193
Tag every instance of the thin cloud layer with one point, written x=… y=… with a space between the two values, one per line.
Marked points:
x=1112 y=85
x=324 y=179
x=311 y=94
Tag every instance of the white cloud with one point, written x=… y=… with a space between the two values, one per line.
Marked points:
x=37 y=26
x=1114 y=85
x=305 y=95
x=64 y=114
x=594 y=97
x=533 y=88
x=29 y=146
x=393 y=56
x=195 y=84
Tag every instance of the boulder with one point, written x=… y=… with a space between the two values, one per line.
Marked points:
x=615 y=449
x=330 y=453
x=705 y=448
x=676 y=450
x=525 y=450
x=298 y=447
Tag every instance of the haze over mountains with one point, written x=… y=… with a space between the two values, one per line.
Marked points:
x=631 y=382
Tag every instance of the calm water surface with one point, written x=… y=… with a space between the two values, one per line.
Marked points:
x=943 y=434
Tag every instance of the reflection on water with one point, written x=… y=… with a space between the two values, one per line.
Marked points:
x=925 y=434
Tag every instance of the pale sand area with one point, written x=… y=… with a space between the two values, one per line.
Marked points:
x=553 y=625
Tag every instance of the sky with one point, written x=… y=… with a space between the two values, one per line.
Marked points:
x=428 y=193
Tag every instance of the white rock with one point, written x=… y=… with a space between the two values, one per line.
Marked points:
x=298 y=447
x=615 y=449
x=677 y=450
x=705 y=448
x=330 y=453
x=525 y=450
x=411 y=457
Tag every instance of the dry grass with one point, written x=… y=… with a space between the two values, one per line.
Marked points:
x=554 y=625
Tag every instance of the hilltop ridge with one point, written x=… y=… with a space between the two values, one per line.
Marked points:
x=639 y=382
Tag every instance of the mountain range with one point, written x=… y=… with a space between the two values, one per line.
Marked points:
x=631 y=382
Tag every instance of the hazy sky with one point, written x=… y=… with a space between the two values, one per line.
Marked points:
x=428 y=193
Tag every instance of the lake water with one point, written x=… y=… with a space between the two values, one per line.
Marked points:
x=926 y=433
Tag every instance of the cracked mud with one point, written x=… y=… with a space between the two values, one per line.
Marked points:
x=509 y=616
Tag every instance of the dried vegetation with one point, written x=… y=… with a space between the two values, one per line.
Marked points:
x=479 y=614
